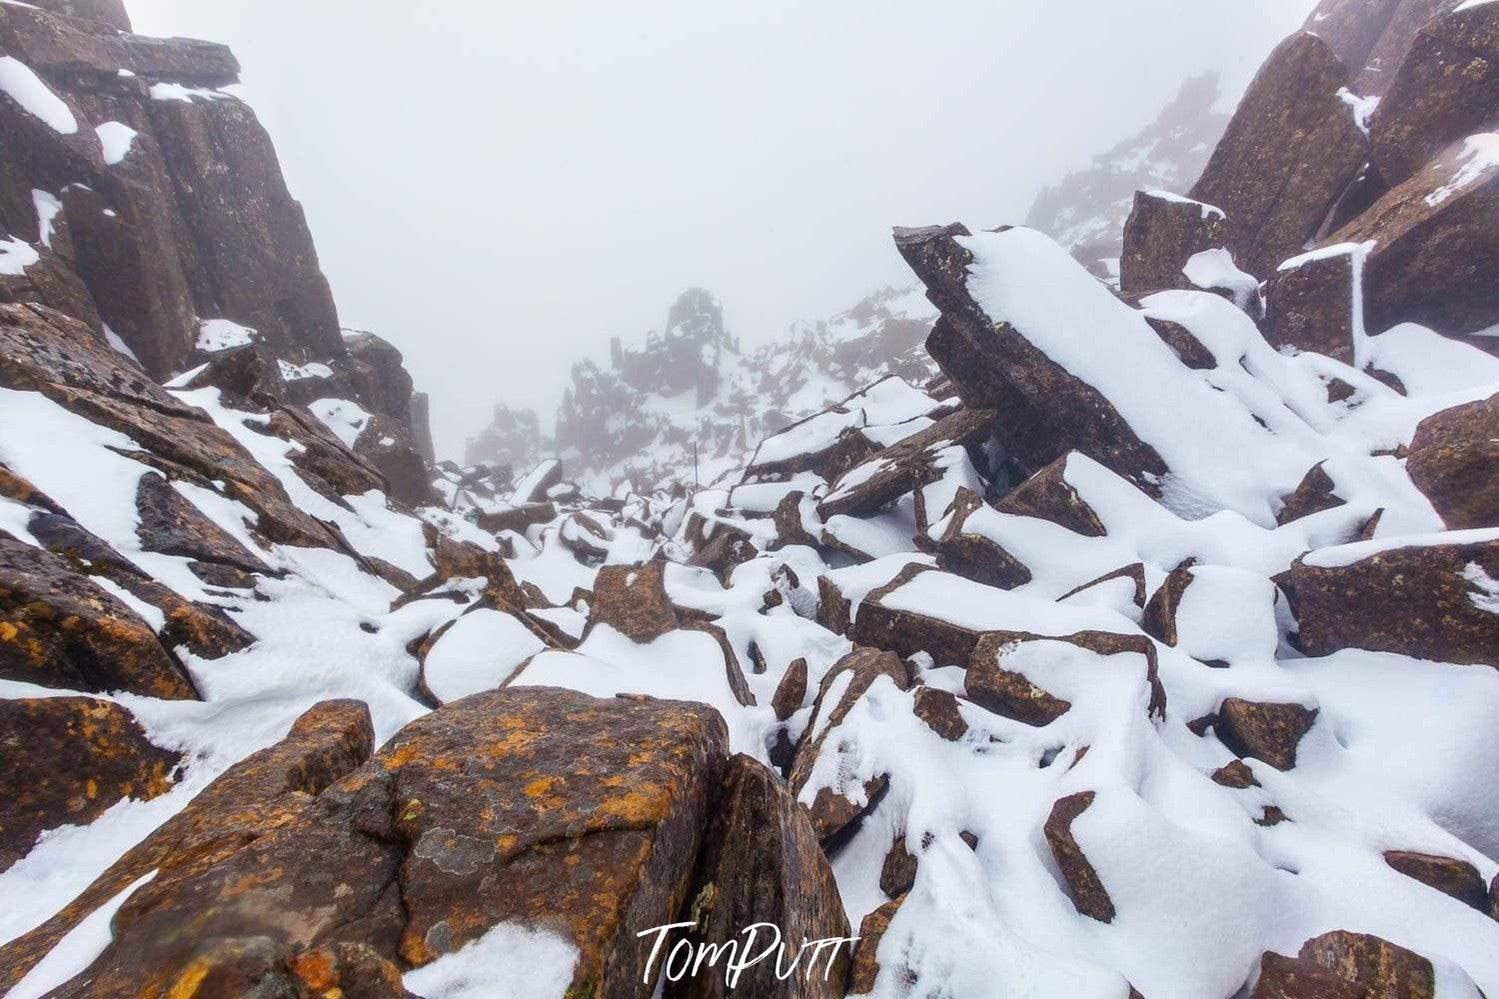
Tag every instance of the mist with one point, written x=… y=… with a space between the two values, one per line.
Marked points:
x=499 y=189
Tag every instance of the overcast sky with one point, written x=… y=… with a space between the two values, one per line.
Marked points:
x=499 y=187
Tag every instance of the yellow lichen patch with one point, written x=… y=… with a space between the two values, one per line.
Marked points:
x=401 y=755
x=643 y=804
x=8 y=631
x=91 y=788
x=315 y=969
x=186 y=985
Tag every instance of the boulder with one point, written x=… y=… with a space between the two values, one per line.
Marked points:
x=791 y=691
x=833 y=810
x=1089 y=896
x=1436 y=249
x=865 y=969
x=60 y=629
x=1309 y=303
x=1159 y=620
x=1448 y=875
x=248 y=375
x=905 y=466
x=632 y=600
x=1452 y=460
x=1386 y=970
x=1047 y=495
x=1432 y=601
x=83 y=48
x=172 y=525
x=1012 y=695
x=906 y=632
x=1165 y=231
x=1315 y=493
x=380 y=377
x=939 y=710
x=761 y=863
x=1353 y=28
x=65 y=761
x=1188 y=349
x=584 y=815
x=1268 y=732
x=1042 y=410
x=971 y=554
x=386 y=445
x=1282 y=977
x=252 y=799
x=110 y=12
x=1446 y=89
x=1290 y=151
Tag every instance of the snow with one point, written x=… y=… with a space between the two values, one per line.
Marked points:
x=75 y=951
x=1208 y=211
x=22 y=85
x=115 y=138
x=510 y=961
x=1346 y=555
x=118 y=345
x=1485 y=595
x=478 y=652
x=298 y=372
x=345 y=417
x=221 y=334
x=48 y=207
x=1215 y=268
x=1480 y=155
x=16 y=255
x=178 y=92
x=1362 y=108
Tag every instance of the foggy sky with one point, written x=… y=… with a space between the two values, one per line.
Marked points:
x=499 y=187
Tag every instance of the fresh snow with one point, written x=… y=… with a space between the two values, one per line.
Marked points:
x=510 y=961
x=116 y=139
x=22 y=85
x=220 y=334
x=15 y=256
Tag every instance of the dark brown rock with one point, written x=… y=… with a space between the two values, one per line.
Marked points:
x=65 y=761
x=172 y=525
x=1316 y=492
x=249 y=375
x=1268 y=732
x=1160 y=614
x=1289 y=153
x=831 y=811
x=586 y=815
x=1042 y=410
x=60 y=629
x=1436 y=248
x=1453 y=458
x=110 y=12
x=761 y=862
x=1047 y=495
x=865 y=969
x=906 y=632
x=1353 y=28
x=972 y=555
x=721 y=547
x=898 y=872
x=517 y=518
x=1188 y=349
x=1424 y=601
x=386 y=445
x=1006 y=693
x=905 y=466
x=1448 y=875
x=1088 y=894
x=1282 y=977
x=1386 y=970
x=69 y=46
x=1162 y=234
x=1236 y=775
x=632 y=600
x=939 y=710
x=791 y=691
x=380 y=377
x=52 y=281
x=1135 y=573
x=262 y=793
x=1309 y=305
x=1446 y=89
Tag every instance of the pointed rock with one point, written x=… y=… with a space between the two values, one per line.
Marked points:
x=1452 y=461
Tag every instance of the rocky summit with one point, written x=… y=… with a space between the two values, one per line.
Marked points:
x=1112 y=612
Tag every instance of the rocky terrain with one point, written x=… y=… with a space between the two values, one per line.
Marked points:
x=1133 y=641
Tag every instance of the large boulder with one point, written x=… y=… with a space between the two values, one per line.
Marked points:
x=1163 y=234
x=386 y=445
x=1430 y=598
x=110 y=12
x=258 y=795
x=906 y=465
x=761 y=863
x=65 y=761
x=574 y=817
x=60 y=629
x=1310 y=304
x=1436 y=248
x=1290 y=151
x=1346 y=965
x=1446 y=89
x=1453 y=458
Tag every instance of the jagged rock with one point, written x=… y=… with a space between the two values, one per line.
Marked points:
x=939 y=710
x=1290 y=151
x=1282 y=977
x=1386 y=970
x=1042 y=410
x=52 y=282
x=1452 y=460
x=65 y=761
x=1268 y=732
x=252 y=799
x=832 y=810
x=173 y=526
x=60 y=629
x=632 y=600
x=322 y=459
x=1164 y=232
x=761 y=863
x=249 y=372
x=386 y=445
x=1089 y=896
x=1430 y=601
x=420 y=420
x=898 y=872
x=905 y=466
x=1160 y=613
x=1448 y=875
x=906 y=632
x=1435 y=245
x=1189 y=350
x=259 y=264
x=1006 y=693
x=1134 y=574
x=67 y=45
x=792 y=690
x=1309 y=302
x=720 y=547
x=380 y=376
x=1047 y=495
x=587 y=815
x=1315 y=493
x=865 y=969
x=971 y=554
x=110 y=12
x=1445 y=89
